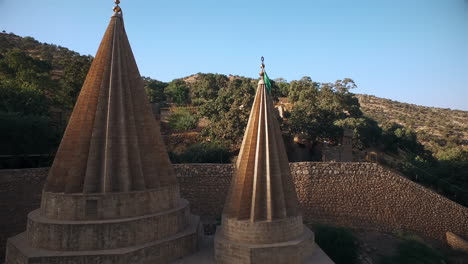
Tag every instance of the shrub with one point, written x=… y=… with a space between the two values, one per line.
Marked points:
x=339 y=244
x=183 y=120
x=199 y=101
x=27 y=134
x=206 y=152
x=177 y=92
x=412 y=250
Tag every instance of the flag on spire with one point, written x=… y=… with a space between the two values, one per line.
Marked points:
x=267 y=82
x=263 y=73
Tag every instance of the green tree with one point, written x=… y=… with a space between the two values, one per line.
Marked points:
x=177 y=92
x=366 y=132
x=205 y=152
x=283 y=87
x=74 y=73
x=322 y=110
x=229 y=112
x=27 y=134
x=302 y=89
x=24 y=83
x=207 y=85
x=155 y=90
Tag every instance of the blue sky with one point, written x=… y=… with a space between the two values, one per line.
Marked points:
x=413 y=51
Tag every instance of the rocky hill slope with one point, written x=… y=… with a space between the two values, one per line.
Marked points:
x=435 y=127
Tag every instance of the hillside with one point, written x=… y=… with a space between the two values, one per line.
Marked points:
x=69 y=68
x=58 y=56
x=39 y=84
x=436 y=128
x=38 y=81
x=43 y=69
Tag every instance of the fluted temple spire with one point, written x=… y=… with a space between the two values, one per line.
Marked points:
x=262 y=187
x=112 y=142
x=111 y=195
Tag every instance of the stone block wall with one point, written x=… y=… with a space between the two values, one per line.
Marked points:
x=369 y=196
x=356 y=195
x=20 y=193
x=205 y=186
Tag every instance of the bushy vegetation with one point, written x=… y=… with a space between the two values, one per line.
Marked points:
x=413 y=250
x=322 y=111
x=30 y=91
x=436 y=128
x=229 y=111
x=206 y=152
x=177 y=92
x=44 y=70
x=27 y=134
x=155 y=90
x=441 y=159
x=338 y=243
x=448 y=177
x=183 y=120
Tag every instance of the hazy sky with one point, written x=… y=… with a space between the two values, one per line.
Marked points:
x=413 y=51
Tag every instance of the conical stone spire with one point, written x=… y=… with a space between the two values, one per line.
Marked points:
x=112 y=143
x=111 y=195
x=262 y=187
x=261 y=221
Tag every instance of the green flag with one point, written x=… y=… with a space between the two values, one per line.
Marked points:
x=267 y=82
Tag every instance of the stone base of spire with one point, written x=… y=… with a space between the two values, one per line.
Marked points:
x=291 y=252
x=154 y=238
x=233 y=244
x=160 y=251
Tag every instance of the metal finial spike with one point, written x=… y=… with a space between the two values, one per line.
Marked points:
x=117 y=8
x=262 y=66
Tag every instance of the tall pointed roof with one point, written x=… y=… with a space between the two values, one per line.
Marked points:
x=112 y=142
x=262 y=187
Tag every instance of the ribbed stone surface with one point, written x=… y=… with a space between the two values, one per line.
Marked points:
x=111 y=195
x=262 y=187
x=112 y=142
x=261 y=218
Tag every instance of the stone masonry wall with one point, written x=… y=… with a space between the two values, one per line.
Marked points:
x=20 y=193
x=356 y=195
x=369 y=196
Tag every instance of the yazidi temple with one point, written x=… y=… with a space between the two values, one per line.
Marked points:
x=112 y=196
